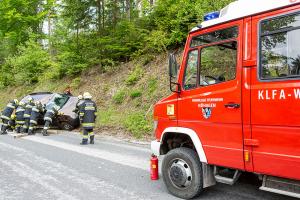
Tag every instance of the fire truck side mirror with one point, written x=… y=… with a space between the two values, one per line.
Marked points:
x=173 y=73
x=173 y=66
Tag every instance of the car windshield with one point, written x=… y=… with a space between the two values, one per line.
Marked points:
x=57 y=100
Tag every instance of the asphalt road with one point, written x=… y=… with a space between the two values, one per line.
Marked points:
x=57 y=167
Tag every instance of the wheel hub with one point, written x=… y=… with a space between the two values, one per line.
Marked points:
x=180 y=174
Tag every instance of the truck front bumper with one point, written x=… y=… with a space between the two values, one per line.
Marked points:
x=155 y=148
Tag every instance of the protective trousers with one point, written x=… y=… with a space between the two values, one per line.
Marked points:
x=88 y=133
x=32 y=127
x=4 y=126
x=26 y=125
x=46 y=128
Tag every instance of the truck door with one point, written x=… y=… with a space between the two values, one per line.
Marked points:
x=275 y=93
x=210 y=101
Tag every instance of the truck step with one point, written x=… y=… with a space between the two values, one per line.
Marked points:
x=281 y=186
x=226 y=176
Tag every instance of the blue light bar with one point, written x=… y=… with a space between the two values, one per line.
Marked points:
x=212 y=15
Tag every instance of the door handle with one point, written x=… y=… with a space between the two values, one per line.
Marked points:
x=232 y=105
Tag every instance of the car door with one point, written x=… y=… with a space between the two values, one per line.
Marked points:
x=210 y=101
x=275 y=93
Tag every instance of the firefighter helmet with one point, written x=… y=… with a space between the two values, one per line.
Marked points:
x=30 y=99
x=16 y=101
x=87 y=95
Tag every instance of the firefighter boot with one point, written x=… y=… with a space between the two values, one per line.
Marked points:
x=92 y=139
x=30 y=131
x=45 y=132
x=18 y=129
x=84 y=142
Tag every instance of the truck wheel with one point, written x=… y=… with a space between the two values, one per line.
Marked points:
x=182 y=173
x=66 y=126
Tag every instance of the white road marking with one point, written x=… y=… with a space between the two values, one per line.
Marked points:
x=128 y=160
x=51 y=175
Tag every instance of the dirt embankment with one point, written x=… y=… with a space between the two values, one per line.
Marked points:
x=125 y=94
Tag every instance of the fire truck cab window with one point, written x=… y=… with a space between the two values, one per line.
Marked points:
x=280 y=47
x=216 y=36
x=218 y=63
x=190 y=77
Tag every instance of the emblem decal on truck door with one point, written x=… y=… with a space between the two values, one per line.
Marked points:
x=206 y=112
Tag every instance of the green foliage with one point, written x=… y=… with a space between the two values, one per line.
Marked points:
x=137 y=124
x=152 y=85
x=135 y=94
x=75 y=83
x=119 y=97
x=135 y=76
x=27 y=66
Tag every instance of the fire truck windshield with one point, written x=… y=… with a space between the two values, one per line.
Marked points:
x=215 y=36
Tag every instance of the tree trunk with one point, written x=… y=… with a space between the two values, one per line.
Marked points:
x=99 y=11
x=128 y=9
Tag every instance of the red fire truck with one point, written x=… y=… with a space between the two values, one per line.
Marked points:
x=235 y=105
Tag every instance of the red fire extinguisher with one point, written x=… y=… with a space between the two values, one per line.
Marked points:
x=154 y=167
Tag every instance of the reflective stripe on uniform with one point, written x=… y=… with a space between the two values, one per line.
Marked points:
x=25 y=126
x=20 y=110
x=89 y=108
x=11 y=106
x=4 y=124
x=91 y=134
x=46 y=128
x=88 y=124
x=48 y=119
x=5 y=117
x=30 y=128
x=50 y=111
x=27 y=115
x=29 y=106
x=35 y=110
x=85 y=136
x=81 y=114
x=33 y=121
x=20 y=122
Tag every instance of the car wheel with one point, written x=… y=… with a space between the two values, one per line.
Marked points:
x=66 y=126
x=182 y=173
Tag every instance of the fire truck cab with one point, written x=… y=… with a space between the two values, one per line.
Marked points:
x=235 y=105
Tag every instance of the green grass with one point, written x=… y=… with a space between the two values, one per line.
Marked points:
x=136 y=94
x=135 y=76
x=119 y=97
x=137 y=124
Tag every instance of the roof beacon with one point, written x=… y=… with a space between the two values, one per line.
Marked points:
x=212 y=15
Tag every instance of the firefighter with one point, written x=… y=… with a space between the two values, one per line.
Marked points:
x=7 y=113
x=36 y=112
x=48 y=118
x=27 y=114
x=87 y=114
x=20 y=121
x=79 y=102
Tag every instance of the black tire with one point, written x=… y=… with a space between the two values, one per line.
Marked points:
x=66 y=126
x=188 y=160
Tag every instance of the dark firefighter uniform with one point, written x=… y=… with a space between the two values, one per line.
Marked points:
x=48 y=118
x=20 y=121
x=78 y=104
x=36 y=112
x=6 y=115
x=27 y=115
x=12 y=123
x=87 y=115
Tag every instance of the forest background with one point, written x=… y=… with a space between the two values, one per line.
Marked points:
x=116 y=49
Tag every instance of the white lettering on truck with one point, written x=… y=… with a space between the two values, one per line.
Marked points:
x=278 y=94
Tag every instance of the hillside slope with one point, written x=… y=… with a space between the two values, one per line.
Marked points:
x=124 y=95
